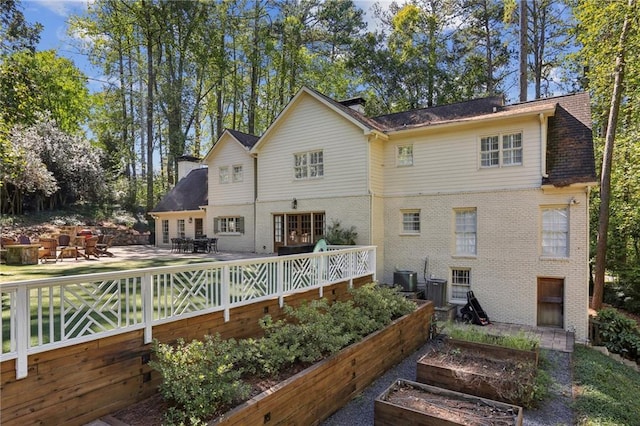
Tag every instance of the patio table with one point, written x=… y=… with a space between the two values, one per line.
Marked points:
x=22 y=254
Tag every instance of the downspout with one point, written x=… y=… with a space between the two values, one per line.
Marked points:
x=255 y=202
x=543 y=145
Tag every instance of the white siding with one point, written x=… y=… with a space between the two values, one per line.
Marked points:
x=235 y=241
x=449 y=161
x=309 y=126
x=228 y=152
x=504 y=273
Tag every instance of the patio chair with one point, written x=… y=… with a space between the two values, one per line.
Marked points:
x=64 y=243
x=103 y=245
x=23 y=239
x=48 y=249
x=90 y=248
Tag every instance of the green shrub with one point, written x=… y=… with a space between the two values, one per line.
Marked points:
x=620 y=334
x=381 y=304
x=198 y=377
x=201 y=378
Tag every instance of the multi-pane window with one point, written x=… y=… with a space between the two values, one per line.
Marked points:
x=489 y=151
x=466 y=232
x=512 y=149
x=501 y=150
x=404 y=155
x=181 y=228
x=223 y=173
x=555 y=232
x=460 y=283
x=232 y=224
x=308 y=165
x=411 y=222
x=165 y=231
x=237 y=174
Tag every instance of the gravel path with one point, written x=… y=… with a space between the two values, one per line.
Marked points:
x=556 y=410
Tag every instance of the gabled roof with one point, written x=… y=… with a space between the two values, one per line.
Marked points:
x=245 y=139
x=189 y=194
x=366 y=124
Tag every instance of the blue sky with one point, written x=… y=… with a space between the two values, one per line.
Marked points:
x=54 y=15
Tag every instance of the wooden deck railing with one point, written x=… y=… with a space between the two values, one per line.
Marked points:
x=45 y=314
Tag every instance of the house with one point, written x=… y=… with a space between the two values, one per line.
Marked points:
x=490 y=197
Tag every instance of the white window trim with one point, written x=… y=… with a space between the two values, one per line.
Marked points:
x=408 y=162
x=552 y=256
x=500 y=135
x=234 y=178
x=403 y=230
x=308 y=165
x=457 y=254
x=223 y=175
x=454 y=284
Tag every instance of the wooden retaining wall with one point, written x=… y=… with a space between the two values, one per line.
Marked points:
x=77 y=384
x=327 y=386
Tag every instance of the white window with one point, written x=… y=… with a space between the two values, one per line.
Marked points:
x=411 y=221
x=165 y=231
x=555 y=232
x=181 y=228
x=223 y=173
x=228 y=225
x=496 y=154
x=512 y=149
x=308 y=165
x=404 y=155
x=237 y=174
x=460 y=283
x=465 y=232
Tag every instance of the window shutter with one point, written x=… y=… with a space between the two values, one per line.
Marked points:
x=216 y=221
x=240 y=224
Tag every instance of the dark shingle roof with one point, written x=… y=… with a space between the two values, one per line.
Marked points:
x=189 y=194
x=570 y=157
x=437 y=114
x=245 y=139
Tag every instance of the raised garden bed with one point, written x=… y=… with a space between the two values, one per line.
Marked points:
x=326 y=386
x=489 y=371
x=407 y=402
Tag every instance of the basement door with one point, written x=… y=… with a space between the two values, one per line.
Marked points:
x=551 y=302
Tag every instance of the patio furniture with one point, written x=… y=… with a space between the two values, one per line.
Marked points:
x=48 y=249
x=213 y=245
x=200 y=245
x=22 y=254
x=23 y=239
x=104 y=242
x=64 y=243
x=90 y=248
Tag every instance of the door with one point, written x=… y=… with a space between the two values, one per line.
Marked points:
x=551 y=302
x=293 y=229
x=198 y=228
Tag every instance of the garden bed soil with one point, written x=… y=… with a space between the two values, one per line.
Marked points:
x=420 y=404
x=470 y=371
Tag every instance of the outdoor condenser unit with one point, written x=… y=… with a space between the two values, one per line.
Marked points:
x=436 y=291
x=408 y=280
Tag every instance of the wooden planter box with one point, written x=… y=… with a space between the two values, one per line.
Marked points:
x=314 y=394
x=496 y=351
x=488 y=381
x=410 y=403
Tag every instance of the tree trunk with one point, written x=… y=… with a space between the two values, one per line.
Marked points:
x=523 y=50
x=150 y=84
x=607 y=160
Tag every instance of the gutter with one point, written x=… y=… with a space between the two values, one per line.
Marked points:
x=543 y=144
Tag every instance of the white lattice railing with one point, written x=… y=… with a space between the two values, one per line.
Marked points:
x=45 y=314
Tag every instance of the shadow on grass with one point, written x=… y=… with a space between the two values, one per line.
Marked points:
x=31 y=272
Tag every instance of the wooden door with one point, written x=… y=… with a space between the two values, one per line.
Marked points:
x=278 y=231
x=551 y=302
x=198 y=228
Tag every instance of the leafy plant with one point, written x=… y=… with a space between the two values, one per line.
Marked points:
x=620 y=334
x=336 y=234
x=198 y=377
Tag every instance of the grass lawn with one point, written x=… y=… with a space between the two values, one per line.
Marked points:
x=608 y=392
x=71 y=267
